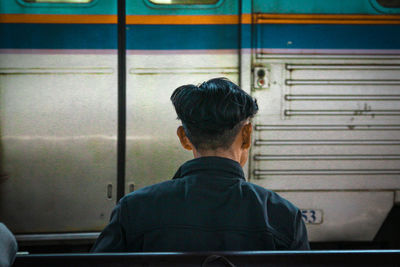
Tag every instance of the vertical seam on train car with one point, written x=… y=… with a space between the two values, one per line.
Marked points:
x=121 y=142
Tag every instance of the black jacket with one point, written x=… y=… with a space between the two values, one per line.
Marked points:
x=207 y=206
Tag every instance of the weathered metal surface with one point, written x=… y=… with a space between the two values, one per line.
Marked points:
x=153 y=149
x=58 y=136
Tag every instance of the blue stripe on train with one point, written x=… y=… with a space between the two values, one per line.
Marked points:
x=328 y=36
x=183 y=37
x=149 y=37
x=103 y=36
x=58 y=36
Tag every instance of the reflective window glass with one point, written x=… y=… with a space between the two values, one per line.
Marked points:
x=184 y=2
x=389 y=3
x=59 y=1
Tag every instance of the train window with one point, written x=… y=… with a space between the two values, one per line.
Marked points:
x=59 y=1
x=389 y=3
x=386 y=6
x=184 y=2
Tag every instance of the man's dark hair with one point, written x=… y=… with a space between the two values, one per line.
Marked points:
x=212 y=113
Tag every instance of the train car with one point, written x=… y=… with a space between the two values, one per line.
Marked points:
x=76 y=135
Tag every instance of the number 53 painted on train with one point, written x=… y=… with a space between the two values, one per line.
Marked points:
x=326 y=75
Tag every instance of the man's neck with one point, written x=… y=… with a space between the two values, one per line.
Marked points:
x=217 y=153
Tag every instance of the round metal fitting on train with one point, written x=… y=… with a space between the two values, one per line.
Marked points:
x=261 y=73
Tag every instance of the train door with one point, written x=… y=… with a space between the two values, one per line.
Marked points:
x=58 y=108
x=169 y=44
x=59 y=103
x=327 y=134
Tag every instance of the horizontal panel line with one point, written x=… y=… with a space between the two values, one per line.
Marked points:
x=326 y=157
x=325 y=19
x=62 y=236
x=259 y=172
x=265 y=55
x=325 y=142
x=342 y=82
x=341 y=67
x=325 y=16
x=152 y=71
x=360 y=112
x=192 y=72
x=95 y=70
x=59 y=51
x=343 y=53
x=151 y=52
x=341 y=97
x=329 y=127
x=366 y=190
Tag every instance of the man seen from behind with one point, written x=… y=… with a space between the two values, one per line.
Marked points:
x=208 y=205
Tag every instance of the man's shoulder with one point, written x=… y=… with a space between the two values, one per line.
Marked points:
x=8 y=246
x=170 y=188
x=152 y=190
x=281 y=213
x=273 y=202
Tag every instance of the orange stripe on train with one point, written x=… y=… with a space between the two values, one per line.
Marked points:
x=203 y=19
x=67 y=19
x=130 y=19
x=184 y=19
x=325 y=19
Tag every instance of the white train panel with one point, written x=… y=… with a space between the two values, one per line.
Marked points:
x=339 y=216
x=58 y=137
x=151 y=118
x=328 y=136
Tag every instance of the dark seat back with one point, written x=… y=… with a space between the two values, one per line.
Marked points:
x=246 y=258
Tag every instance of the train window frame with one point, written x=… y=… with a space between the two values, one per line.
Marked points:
x=59 y=1
x=62 y=3
x=151 y=4
x=191 y=2
x=387 y=10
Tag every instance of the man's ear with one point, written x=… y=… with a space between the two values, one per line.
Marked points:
x=246 y=135
x=180 y=132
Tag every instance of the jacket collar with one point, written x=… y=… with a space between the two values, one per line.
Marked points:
x=218 y=166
